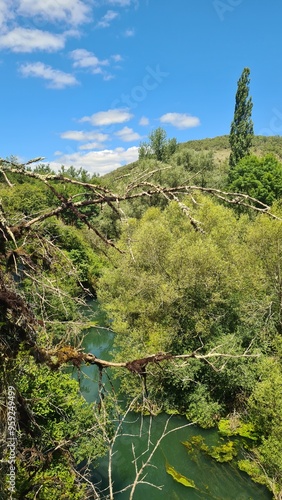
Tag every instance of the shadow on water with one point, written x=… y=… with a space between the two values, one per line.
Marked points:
x=212 y=480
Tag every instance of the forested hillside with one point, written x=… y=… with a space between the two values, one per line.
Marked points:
x=217 y=149
x=184 y=254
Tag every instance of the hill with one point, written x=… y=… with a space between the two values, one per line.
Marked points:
x=203 y=161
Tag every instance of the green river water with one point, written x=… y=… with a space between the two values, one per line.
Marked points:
x=212 y=480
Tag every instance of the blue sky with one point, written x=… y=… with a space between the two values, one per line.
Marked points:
x=84 y=81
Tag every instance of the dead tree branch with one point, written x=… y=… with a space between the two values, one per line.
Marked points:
x=61 y=355
x=96 y=194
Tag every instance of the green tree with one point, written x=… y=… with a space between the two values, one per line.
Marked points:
x=264 y=408
x=241 y=132
x=260 y=178
x=158 y=147
x=158 y=142
x=61 y=430
x=182 y=290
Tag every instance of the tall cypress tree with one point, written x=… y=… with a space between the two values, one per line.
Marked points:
x=242 y=131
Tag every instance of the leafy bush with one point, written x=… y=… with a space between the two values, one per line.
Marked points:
x=260 y=178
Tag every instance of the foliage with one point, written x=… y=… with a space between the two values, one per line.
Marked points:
x=79 y=174
x=265 y=406
x=260 y=178
x=202 y=408
x=203 y=162
x=158 y=147
x=45 y=273
x=56 y=482
x=254 y=470
x=76 y=244
x=24 y=199
x=261 y=145
x=59 y=430
x=193 y=161
x=234 y=427
x=177 y=291
x=200 y=165
x=241 y=131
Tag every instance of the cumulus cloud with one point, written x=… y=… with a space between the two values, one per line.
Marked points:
x=80 y=135
x=144 y=121
x=107 y=19
x=57 y=79
x=128 y=135
x=180 y=120
x=29 y=40
x=100 y=162
x=74 y=12
x=110 y=117
x=85 y=59
x=89 y=61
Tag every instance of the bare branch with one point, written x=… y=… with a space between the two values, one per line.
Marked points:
x=6 y=178
x=96 y=194
x=65 y=354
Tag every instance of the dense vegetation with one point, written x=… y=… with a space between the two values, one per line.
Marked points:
x=185 y=271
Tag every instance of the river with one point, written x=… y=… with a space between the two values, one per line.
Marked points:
x=212 y=480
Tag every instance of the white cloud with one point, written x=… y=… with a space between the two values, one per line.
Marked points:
x=128 y=135
x=85 y=59
x=74 y=12
x=5 y=12
x=100 y=162
x=180 y=120
x=57 y=79
x=107 y=19
x=144 y=121
x=121 y=3
x=117 y=58
x=129 y=32
x=109 y=117
x=80 y=135
x=91 y=145
x=108 y=76
x=29 y=40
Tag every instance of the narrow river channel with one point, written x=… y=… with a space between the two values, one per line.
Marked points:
x=212 y=480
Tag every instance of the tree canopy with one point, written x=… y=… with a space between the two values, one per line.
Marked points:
x=158 y=147
x=260 y=178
